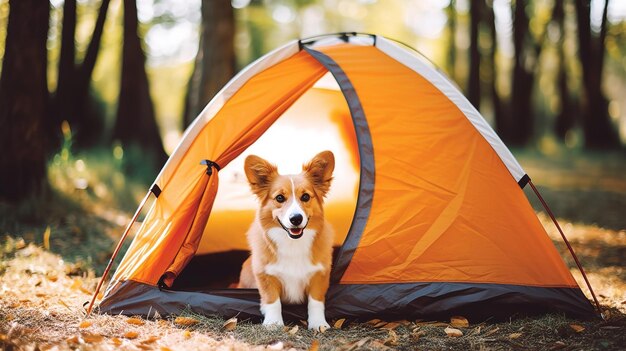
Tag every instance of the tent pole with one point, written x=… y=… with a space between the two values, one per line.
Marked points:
x=569 y=247
x=116 y=251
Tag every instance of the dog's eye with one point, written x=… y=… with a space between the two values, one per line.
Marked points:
x=280 y=198
x=305 y=197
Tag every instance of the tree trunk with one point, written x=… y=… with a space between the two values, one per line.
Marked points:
x=526 y=59
x=72 y=95
x=451 y=62
x=63 y=104
x=215 y=62
x=565 y=118
x=597 y=127
x=498 y=115
x=473 y=83
x=136 y=123
x=24 y=100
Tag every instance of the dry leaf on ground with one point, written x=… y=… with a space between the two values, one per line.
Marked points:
x=515 y=335
x=315 y=345
x=135 y=321
x=91 y=338
x=453 y=332
x=459 y=322
x=230 y=324
x=577 y=328
x=491 y=332
x=85 y=324
x=186 y=321
x=293 y=330
x=391 y=325
x=339 y=323
x=131 y=334
x=186 y=334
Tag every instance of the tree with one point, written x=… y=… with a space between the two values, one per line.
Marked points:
x=24 y=100
x=473 y=82
x=520 y=124
x=72 y=95
x=496 y=102
x=597 y=127
x=215 y=61
x=565 y=118
x=451 y=61
x=136 y=123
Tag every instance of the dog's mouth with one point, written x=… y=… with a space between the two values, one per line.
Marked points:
x=294 y=233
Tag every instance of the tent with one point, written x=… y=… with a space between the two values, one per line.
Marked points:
x=428 y=204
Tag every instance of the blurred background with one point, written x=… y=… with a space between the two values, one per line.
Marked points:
x=94 y=94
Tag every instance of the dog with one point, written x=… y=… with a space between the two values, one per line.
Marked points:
x=290 y=241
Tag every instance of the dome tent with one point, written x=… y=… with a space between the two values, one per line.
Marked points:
x=439 y=225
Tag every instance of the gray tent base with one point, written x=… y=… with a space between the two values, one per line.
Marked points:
x=397 y=301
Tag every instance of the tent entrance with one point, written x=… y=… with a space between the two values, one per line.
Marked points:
x=319 y=120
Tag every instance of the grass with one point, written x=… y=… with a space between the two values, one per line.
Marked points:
x=44 y=283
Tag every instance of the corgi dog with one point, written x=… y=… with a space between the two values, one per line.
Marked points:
x=290 y=241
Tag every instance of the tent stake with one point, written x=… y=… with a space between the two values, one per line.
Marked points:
x=569 y=247
x=116 y=251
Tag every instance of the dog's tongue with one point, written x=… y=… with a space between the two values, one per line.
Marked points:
x=295 y=231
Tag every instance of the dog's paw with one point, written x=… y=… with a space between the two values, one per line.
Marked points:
x=316 y=324
x=273 y=322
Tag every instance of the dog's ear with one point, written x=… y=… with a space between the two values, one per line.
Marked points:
x=260 y=174
x=320 y=171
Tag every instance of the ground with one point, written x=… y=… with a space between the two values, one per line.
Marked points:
x=49 y=264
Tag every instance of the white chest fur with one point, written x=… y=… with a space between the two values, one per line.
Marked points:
x=293 y=266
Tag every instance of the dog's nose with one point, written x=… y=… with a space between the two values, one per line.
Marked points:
x=295 y=219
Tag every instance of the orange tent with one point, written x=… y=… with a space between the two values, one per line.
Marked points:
x=428 y=205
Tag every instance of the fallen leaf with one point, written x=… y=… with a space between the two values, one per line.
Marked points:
x=144 y=347
x=577 y=328
x=52 y=278
x=323 y=328
x=186 y=321
x=100 y=295
x=90 y=338
x=85 y=324
x=459 y=322
x=150 y=340
x=186 y=334
x=85 y=291
x=416 y=334
x=165 y=348
x=515 y=335
x=131 y=334
x=116 y=341
x=453 y=332
x=315 y=345
x=293 y=330
x=392 y=339
x=20 y=244
x=491 y=332
x=75 y=284
x=362 y=342
x=373 y=322
x=135 y=321
x=46 y=238
x=339 y=323
x=558 y=345
x=391 y=325
x=380 y=324
x=72 y=340
x=230 y=324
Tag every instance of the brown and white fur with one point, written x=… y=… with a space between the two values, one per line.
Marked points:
x=290 y=241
